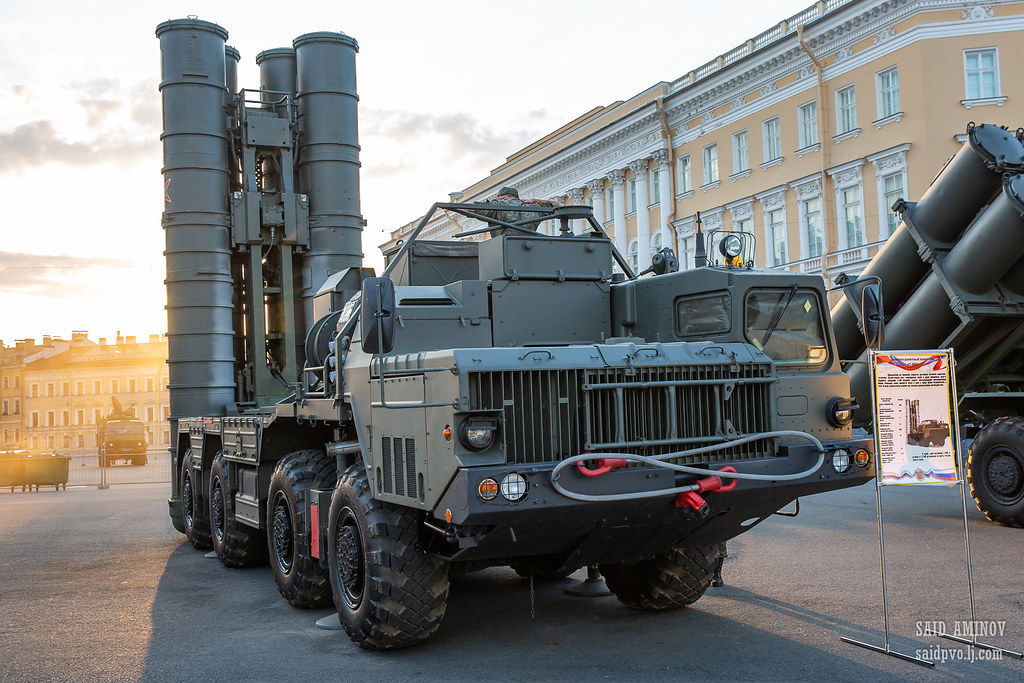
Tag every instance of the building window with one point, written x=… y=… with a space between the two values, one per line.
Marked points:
x=150 y=414
x=687 y=245
x=853 y=217
x=631 y=206
x=33 y=390
x=150 y=383
x=80 y=416
x=772 y=139
x=65 y=418
x=981 y=73
x=132 y=385
x=5 y=382
x=776 y=229
x=711 y=164
x=51 y=418
x=656 y=242
x=811 y=209
x=888 y=93
x=97 y=386
x=17 y=406
x=740 y=155
x=79 y=388
x=609 y=202
x=892 y=189
x=6 y=406
x=65 y=389
x=655 y=186
x=846 y=109
x=115 y=386
x=97 y=415
x=634 y=255
x=685 y=174
x=51 y=388
x=808 y=115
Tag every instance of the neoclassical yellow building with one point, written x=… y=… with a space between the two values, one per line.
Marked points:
x=54 y=394
x=803 y=135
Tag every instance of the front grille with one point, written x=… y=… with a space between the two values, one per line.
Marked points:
x=550 y=415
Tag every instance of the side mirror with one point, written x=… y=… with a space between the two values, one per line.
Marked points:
x=377 y=314
x=872 y=316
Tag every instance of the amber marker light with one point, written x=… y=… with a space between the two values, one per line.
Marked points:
x=447 y=433
x=488 y=489
x=861 y=458
x=448 y=516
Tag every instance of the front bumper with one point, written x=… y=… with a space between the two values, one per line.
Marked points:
x=545 y=522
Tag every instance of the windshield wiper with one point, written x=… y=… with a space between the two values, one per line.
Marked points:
x=778 y=316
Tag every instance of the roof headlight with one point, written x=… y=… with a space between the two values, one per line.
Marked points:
x=731 y=246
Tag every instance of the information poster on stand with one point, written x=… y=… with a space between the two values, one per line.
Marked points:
x=915 y=425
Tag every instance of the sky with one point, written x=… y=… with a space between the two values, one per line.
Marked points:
x=448 y=89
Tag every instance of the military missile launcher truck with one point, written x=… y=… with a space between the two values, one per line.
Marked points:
x=956 y=265
x=524 y=400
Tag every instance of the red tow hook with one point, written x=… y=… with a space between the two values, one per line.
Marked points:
x=693 y=500
x=604 y=466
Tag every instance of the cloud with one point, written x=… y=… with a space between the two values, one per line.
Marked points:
x=459 y=133
x=48 y=275
x=38 y=143
x=98 y=110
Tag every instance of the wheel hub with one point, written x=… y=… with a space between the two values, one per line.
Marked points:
x=186 y=499
x=283 y=544
x=217 y=511
x=1005 y=475
x=349 y=552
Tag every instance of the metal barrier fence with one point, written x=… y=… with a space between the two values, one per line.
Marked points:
x=84 y=470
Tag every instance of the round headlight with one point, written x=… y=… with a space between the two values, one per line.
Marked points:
x=840 y=461
x=839 y=411
x=731 y=246
x=477 y=433
x=513 y=487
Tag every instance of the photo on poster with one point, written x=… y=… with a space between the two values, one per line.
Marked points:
x=915 y=426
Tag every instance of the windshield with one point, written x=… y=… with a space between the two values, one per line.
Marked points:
x=787 y=325
x=125 y=428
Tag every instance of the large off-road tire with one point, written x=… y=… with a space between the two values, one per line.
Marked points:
x=299 y=576
x=237 y=545
x=197 y=526
x=674 y=579
x=389 y=592
x=995 y=471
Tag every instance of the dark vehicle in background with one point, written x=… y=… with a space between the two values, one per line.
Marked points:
x=121 y=437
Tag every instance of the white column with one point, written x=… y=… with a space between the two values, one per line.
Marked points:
x=596 y=188
x=618 y=179
x=576 y=199
x=643 y=216
x=668 y=202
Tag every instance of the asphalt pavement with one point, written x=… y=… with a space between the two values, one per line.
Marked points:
x=97 y=585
